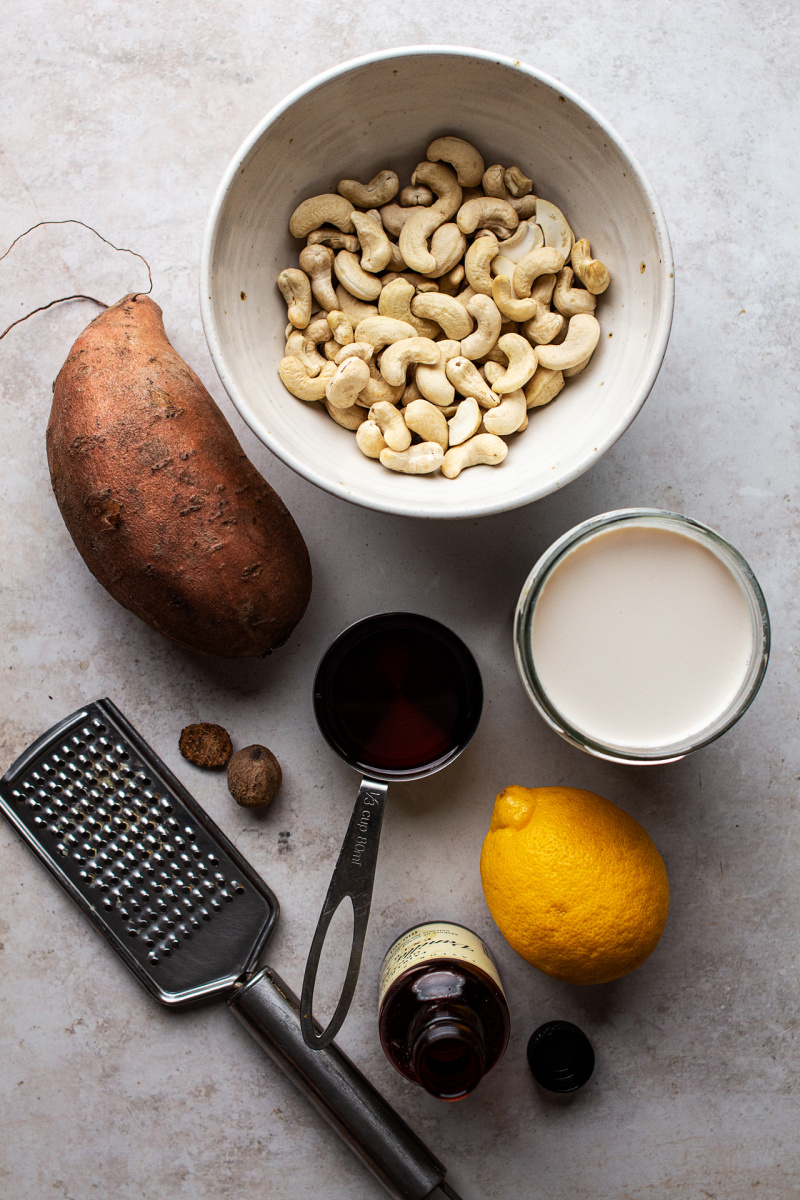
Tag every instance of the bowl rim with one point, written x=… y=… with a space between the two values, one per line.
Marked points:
x=401 y=506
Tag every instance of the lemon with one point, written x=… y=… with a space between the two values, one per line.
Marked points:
x=574 y=884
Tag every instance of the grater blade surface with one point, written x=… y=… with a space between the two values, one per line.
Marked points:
x=152 y=872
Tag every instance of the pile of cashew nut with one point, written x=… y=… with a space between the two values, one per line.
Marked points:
x=426 y=326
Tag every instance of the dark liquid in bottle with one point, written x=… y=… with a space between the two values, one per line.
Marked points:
x=397 y=693
x=444 y=1025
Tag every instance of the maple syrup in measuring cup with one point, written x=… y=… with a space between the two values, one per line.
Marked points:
x=398 y=694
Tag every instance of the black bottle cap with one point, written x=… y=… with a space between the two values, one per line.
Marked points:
x=560 y=1056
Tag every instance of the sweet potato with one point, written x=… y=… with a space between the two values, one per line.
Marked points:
x=161 y=501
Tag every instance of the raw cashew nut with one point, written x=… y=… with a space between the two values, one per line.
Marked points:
x=508 y=304
x=542 y=261
x=360 y=350
x=432 y=382
x=571 y=372
x=376 y=249
x=488 y=213
x=299 y=346
x=410 y=197
x=521 y=363
x=477 y=263
x=369 y=439
x=328 y=209
x=331 y=349
x=501 y=232
x=396 y=261
x=485 y=448
x=494 y=185
x=349 y=418
x=422 y=283
x=443 y=181
x=394 y=218
x=465 y=296
x=414 y=238
x=395 y=301
x=317 y=262
x=495 y=355
x=544 y=328
x=451 y=282
x=378 y=391
x=592 y=273
x=465 y=421
x=528 y=236
x=356 y=310
x=394 y=429
x=466 y=379
x=582 y=337
x=379 y=190
x=510 y=413
x=357 y=281
x=446 y=311
x=332 y=238
x=341 y=326
x=296 y=379
x=419 y=460
x=316 y=331
x=492 y=371
x=383 y=331
x=426 y=419
x=296 y=290
x=569 y=300
x=487 y=316
x=397 y=358
x=461 y=155
x=555 y=227
x=349 y=381
x=516 y=183
x=447 y=247
x=542 y=289
x=411 y=392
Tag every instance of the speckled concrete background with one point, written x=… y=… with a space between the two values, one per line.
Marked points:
x=125 y=116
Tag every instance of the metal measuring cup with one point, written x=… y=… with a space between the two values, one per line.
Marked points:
x=418 y=672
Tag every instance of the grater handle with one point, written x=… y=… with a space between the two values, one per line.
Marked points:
x=346 y=1099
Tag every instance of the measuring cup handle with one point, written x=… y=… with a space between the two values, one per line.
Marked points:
x=354 y=876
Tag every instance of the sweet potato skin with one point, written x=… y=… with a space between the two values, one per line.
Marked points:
x=164 y=506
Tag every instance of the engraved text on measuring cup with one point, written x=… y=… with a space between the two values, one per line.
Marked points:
x=370 y=798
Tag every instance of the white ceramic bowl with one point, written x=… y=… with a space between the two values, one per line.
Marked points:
x=382 y=111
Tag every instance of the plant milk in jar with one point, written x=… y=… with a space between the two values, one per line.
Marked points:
x=644 y=636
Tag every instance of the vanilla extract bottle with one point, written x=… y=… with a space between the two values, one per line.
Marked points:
x=442 y=1013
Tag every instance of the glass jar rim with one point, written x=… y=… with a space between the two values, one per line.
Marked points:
x=698 y=532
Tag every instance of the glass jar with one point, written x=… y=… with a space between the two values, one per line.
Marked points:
x=618 y=591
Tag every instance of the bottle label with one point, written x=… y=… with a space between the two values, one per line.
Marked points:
x=439 y=939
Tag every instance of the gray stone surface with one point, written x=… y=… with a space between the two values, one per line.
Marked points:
x=124 y=116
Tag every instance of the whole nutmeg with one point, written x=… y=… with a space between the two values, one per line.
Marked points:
x=254 y=776
x=206 y=745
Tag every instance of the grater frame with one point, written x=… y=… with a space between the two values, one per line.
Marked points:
x=146 y=865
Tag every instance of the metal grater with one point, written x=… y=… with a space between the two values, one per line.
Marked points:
x=189 y=916
x=148 y=867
